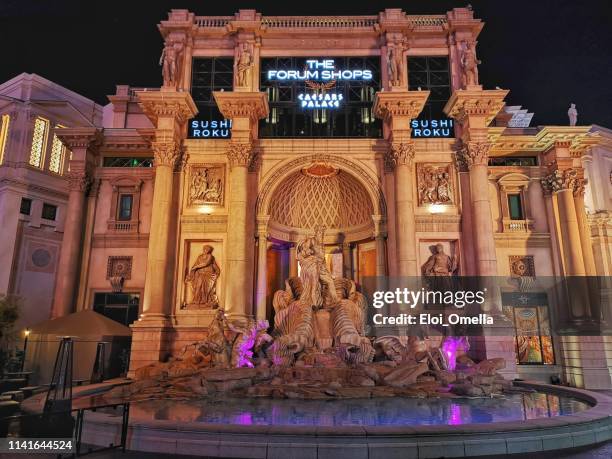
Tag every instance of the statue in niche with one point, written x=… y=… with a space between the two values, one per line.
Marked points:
x=469 y=64
x=434 y=185
x=203 y=277
x=439 y=263
x=318 y=314
x=395 y=63
x=206 y=186
x=169 y=61
x=243 y=66
x=572 y=114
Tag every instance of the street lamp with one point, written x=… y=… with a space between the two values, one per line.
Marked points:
x=26 y=333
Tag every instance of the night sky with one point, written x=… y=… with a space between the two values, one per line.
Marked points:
x=547 y=52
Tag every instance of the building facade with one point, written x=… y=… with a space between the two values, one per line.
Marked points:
x=34 y=186
x=373 y=127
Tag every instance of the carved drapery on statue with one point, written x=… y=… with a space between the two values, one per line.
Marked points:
x=439 y=263
x=434 y=184
x=395 y=62
x=243 y=66
x=206 y=185
x=319 y=314
x=203 y=277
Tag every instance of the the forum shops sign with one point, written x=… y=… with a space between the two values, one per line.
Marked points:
x=320 y=78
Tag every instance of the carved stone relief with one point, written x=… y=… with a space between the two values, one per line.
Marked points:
x=435 y=184
x=40 y=257
x=206 y=184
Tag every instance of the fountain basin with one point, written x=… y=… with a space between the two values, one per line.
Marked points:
x=553 y=418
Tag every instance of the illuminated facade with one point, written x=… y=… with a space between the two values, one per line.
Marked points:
x=374 y=127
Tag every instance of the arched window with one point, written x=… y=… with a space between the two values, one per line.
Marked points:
x=4 y=126
x=58 y=151
x=39 y=142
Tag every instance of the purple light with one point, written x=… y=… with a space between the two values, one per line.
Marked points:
x=455 y=415
x=450 y=346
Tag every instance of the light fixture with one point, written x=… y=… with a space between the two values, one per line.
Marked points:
x=436 y=209
x=206 y=210
x=27 y=332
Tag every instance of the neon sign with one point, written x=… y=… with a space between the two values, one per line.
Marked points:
x=320 y=100
x=324 y=70
x=202 y=129
x=432 y=128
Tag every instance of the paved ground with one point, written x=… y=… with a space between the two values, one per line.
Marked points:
x=603 y=451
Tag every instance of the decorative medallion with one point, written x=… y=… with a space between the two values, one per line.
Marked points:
x=119 y=267
x=522 y=266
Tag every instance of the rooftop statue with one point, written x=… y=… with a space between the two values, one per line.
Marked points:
x=572 y=113
x=243 y=66
x=469 y=64
x=169 y=61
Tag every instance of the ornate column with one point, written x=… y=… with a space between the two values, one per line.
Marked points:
x=474 y=109
x=397 y=110
x=244 y=109
x=293 y=262
x=584 y=228
x=169 y=111
x=82 y=142
x=381 y=253
x=262 y=270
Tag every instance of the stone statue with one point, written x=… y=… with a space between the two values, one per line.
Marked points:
x=314 y=272
x=394 y=64
x=317 y=313
x=243 y=66
x=203 y=277
x=469 y=64
x=439 y=263
x=572 y=113
x=169 y=61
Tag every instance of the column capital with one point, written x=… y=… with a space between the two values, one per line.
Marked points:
x=262 y=226
x=165 y=152
x=250 y=105
x=78 y=181
x=403 y=104
x=475 y=103
x=240 y=154
x=474 y=153
x=167 y=104
x=560 y=180
x=399 y=154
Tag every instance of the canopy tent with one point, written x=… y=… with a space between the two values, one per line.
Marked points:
x=87 y=328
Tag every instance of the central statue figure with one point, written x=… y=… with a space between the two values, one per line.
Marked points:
x=317 y=313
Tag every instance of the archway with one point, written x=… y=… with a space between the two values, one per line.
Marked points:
x=318 y=192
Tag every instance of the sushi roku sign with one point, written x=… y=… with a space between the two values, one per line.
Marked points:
x=320 y=76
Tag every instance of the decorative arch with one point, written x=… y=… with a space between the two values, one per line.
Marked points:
x=283 y=170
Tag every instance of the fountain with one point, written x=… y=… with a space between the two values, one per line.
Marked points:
x=316 y=386
x=317 y=349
